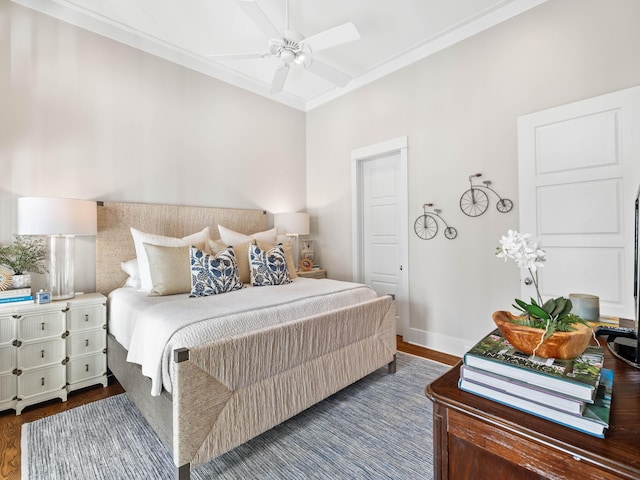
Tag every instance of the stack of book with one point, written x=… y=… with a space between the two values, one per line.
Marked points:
x=575 y=392
x=15 y=296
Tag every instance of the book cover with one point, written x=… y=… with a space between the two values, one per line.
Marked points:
x=15 y=292
x=600 y=409
x=9 y=302
x=577 y=377
x=524 y=390
x=16 y=299
x=594 y=420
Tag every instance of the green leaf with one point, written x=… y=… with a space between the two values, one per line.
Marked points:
x=549 y=306
x=536 y=311
x=550 y=330
x=560 y=304
x=518 y=307
x=523 y=305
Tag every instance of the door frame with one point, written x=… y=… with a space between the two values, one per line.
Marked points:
x=399 y=146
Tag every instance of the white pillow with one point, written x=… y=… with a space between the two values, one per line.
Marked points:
x=130 y=267
x=198 y=240
x=230 y=237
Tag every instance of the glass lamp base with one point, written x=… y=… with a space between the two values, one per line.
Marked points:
x=60 y=266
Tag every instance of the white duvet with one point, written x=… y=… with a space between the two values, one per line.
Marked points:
x=150 y=328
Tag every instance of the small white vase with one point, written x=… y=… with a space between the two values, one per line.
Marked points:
x=21 y=281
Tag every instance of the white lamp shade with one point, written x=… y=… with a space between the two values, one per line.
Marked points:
x=291 y=223
x=56 y=216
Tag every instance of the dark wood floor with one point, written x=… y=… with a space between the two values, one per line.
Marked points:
x=10 y=423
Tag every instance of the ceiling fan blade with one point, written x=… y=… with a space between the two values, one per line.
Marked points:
x=329 y=73
x=344 y=33
x=279 y=79
x=236 y=56
x=255 y=13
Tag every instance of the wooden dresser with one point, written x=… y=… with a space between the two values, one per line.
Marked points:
x=475 y=438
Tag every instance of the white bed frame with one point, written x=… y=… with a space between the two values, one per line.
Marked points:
x=204 y=417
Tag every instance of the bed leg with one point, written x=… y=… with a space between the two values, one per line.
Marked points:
x=183 y=472
x=391 y=367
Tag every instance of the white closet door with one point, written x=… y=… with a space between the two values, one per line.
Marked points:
x=579 y=172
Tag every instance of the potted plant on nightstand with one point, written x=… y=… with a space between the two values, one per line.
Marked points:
x=547 y=329
x=24 y=256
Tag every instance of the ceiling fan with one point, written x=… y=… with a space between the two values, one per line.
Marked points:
x=292 y=48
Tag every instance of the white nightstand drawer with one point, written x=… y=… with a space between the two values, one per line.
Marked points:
x=7 y=329
x=41 y=380
x=34 y=326
x=85 y=342
x=41 y=353
x=8 y=387
x=7 y=358
x=81 y=368
x=91 y=316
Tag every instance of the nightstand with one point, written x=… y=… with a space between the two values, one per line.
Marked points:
x=315 y=273
x=50 y=349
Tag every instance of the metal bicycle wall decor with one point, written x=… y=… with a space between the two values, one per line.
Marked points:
x=475 y=201
x=426 y=225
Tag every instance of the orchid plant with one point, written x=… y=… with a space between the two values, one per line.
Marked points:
x=554 y=315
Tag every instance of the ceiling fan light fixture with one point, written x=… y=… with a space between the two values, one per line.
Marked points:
x=287 y=56
x=300 y=57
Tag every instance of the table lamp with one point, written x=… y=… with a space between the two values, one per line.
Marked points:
x=60 y=220
x=292 y=225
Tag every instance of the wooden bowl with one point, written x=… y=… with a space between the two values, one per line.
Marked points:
x=559 y=345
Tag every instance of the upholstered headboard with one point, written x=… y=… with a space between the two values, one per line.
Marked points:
x=114 y=243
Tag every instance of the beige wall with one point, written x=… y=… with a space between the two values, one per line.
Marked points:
x=83 y=116
x=459 y=109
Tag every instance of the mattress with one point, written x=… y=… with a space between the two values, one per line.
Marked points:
x=150 y=328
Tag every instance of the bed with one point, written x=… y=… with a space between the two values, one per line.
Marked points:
x=215 y=381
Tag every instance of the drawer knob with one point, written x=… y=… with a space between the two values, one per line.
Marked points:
x=16 y=343
x=86 y=317
x=86 y=367
x=42 y=381
x=86 y=342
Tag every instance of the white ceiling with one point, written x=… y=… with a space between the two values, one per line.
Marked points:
x=393 y=35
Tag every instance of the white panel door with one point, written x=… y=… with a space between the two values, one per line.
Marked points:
x=380 y=232
x=381 y=227
x=579 y=171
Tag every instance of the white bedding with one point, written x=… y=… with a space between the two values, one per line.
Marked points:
x=152 y=327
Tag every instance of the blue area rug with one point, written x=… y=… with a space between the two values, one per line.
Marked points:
x=378 y=428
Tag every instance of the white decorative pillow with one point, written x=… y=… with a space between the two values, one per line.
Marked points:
x=198 y=239
x=169 y=269
x=213 y=274
x=230 y=237
x=268 y=267
x=130 y=267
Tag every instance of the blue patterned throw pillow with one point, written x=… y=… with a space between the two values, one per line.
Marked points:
x=213 y=274
x=268 y=267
